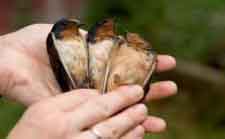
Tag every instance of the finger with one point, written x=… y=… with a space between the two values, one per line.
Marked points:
x=136 y=133
x=118 y=125
x=161 y=90
x=154 y=124
x=102 y=107
x=70 y=100
x=39 y=31
x=39 y=34
x=86 y=135
x=165 y=62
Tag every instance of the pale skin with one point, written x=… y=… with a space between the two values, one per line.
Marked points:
x=26 y=77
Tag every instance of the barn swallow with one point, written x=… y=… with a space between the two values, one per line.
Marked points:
x=133 y=63
x=101 y=38
x=68 y=54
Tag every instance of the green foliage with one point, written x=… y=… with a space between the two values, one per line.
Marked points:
x=9 y=115
x=182 y=28
x=187 y=29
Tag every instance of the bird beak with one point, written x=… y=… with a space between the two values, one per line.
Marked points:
x=79 y=24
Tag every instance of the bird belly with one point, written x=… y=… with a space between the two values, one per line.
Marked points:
x=128 y=67
x=99 y=55
x=75 y=57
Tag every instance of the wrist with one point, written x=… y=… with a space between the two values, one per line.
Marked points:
x=25 y=131
x=33 y=126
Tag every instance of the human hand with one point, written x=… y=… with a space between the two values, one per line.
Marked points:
x=26 y=74
x=84 y=114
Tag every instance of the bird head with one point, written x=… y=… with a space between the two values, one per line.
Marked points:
x=66 y=28
x=136 y=41
x=102 y=30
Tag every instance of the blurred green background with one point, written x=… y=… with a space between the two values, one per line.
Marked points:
x=191 y=30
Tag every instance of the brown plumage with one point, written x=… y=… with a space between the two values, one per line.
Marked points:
x=133 y=63
x=103 y=60
x=101 y=38
x=68 y=55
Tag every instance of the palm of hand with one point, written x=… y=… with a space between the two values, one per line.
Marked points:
x=25 y=71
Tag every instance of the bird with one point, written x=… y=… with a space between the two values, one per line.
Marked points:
x=133 y=63
x=101 y=39
x=68 y=54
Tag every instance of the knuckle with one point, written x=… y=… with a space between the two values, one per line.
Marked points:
x=144 y=109
x=41 y=115
x=109 y=131
x=115 y=133
x=133 y=96
x=124 y=98
x=136 y=133
x=130 y=120
x=87 y=92
x=138 y=113
x=103 y=108
x=139 y=131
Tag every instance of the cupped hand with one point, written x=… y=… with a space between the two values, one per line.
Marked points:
x=84 y=114
x=25 y=72
x=26 y=75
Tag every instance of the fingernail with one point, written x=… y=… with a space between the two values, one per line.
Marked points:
x=141 y=108
x=172 y=86
x=140 y=131
x=172 y=60
x=139 y=113
x=158 y=126
x=155 y=125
